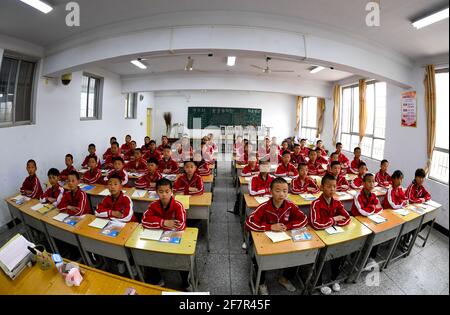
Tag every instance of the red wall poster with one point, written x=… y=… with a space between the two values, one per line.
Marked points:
x=409 y=109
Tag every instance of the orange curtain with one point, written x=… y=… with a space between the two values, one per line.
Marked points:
x=320 y=116
x=430 y=108
x=362 y=109
x=336 y=111
x=298 y=112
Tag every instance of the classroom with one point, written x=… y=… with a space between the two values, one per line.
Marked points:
x=237 y=148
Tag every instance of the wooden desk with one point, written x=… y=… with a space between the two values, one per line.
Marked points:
x=165 y=256
x=270 y=256
x=389 y=230
x=338 y=245
x=430 y=215
x=91 y=240
x=14 y=208
x=33 y=218
x=62 y=231
x=38 y=282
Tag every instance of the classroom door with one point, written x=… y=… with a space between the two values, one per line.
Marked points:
x=149 y=122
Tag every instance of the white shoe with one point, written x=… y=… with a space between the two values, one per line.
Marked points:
x=244 y=245
x=263 y=289
x=371 y=263
x=287 y=284
x=325 y=290
x=336 y=287
x=161 y=283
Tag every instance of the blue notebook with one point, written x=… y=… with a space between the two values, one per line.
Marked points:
x=173 y=237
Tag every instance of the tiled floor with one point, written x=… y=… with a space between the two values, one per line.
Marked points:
x=225 y=269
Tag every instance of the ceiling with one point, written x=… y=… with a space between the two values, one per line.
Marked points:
x=396 y=33
x=218 y=64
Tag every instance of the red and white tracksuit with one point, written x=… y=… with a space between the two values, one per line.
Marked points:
x=77 y=199
x=122 y=204
x=155 y=215
x=299 y=186
x=322 y=214
x=182 y=184
x=366 y=204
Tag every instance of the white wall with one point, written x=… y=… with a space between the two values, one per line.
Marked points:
x=278 y=110
x=58 y=130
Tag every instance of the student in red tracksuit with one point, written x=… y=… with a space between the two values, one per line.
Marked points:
x=286 y=168
x=333 y=157
x=55 y=192
x=124 y=148
x=146 y=146
x=304 y=150
x=108 y=151
x=274 y=154
x=303 y=183
x=296 y=156
x=357 y=183
x=190 y=183
x=138 y=165
x=264 y=149
x=382 y=177
x=74 y=201
x=354 y=164
x=69 y=167
x=341 y=157
x=118 y=169
x=114 y=154
x=416 y=192
x=94 y=174
x=341 y=182
x=284 y=147
x=252 y=168
x=129 y=155
x=164 y=143
x=148 y=181
x=242 y=156
x=319 y=145
x=202 y=166
x=238 y=144
x=152 y=152
x=326 y=212
x=31 y=186
x=167 y=214
x=322 y=159
x=314 y=167
x=395 y=197
x=167 y=165
x=260 y=185
x=117 y=206
x=278 y=215
x=91 y=150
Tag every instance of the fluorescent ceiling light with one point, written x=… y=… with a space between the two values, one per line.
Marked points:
x=316 y=69
x=430 y=19
x=138 y=64
x=38 y=4
x=231 y=61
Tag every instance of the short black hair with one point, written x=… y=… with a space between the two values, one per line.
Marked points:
x=264 y=161
x=133 y=142
x=69 y=156
x=318 y=141
x=32 y=161
x=91 y=145
x=420 y=172
x=167 y=147
x=397 y=174
x=162 y=137
x=284 y=141
x=112 y=138
x=366 y=176
x=296 y=145
x=92 y=157
x=317 y=150
x=301 y=140
x=338 y=144
x=189 y=161
x=163 y=182
x=300 y=165
x=117 y=158
x=152 y=160
x=384 y=161
x=115 y=175
x=53 y=172
x=286 y=152
x=335 y=163
x=356 y=148
x=74 y=173
x=278 y=180
x=309 y=151
x=146 y=137
x=326 y=178
x=138 y=150
x=115 y=143
x=334 y=153
x=127 y=136
x=152 y=141
x=361 y=164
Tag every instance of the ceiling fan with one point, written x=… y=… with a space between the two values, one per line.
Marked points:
x=267 y=69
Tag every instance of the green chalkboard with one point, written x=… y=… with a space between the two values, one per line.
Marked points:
x=224 y=116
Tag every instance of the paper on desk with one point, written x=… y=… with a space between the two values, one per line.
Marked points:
x=261 y=200
x=419 y=209
x=401 y=212
x=37 y=207
x=352 y=192
x=104 y=192
x=99 y=223
x=377 y=218
x=334 y=230
x=153 y=195
x=139 y=193
x=83 y=170
x=277 y=236
x=170 y=177
x=150 y=234
x=432 y=204
x=341 y=193
x=380 y=189
x=14 y=251
x=18 y=197
x=288 y=179
x=308 y=197
x=60 y=216
x=248 y=178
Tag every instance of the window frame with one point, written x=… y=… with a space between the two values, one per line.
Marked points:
x=436 y=148
x=98 y=95
x=314 y=129
x=35 y=79
x=351 y=133
x=134 y=96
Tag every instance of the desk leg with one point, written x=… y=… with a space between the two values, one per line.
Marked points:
x=254 y=286
x=127 y=263
x=428 y=233
x=392 y=249
x=193 y=274
x=318 y=271
x=366 y=250
x=207 y=228
x=413 y=240
x=139 y=269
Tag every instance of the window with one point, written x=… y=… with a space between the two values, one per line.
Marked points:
x=16 y=90
x=130 y=105
x=309 y=119
x=439 y=163
x=91 y=91
x=372 y=145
